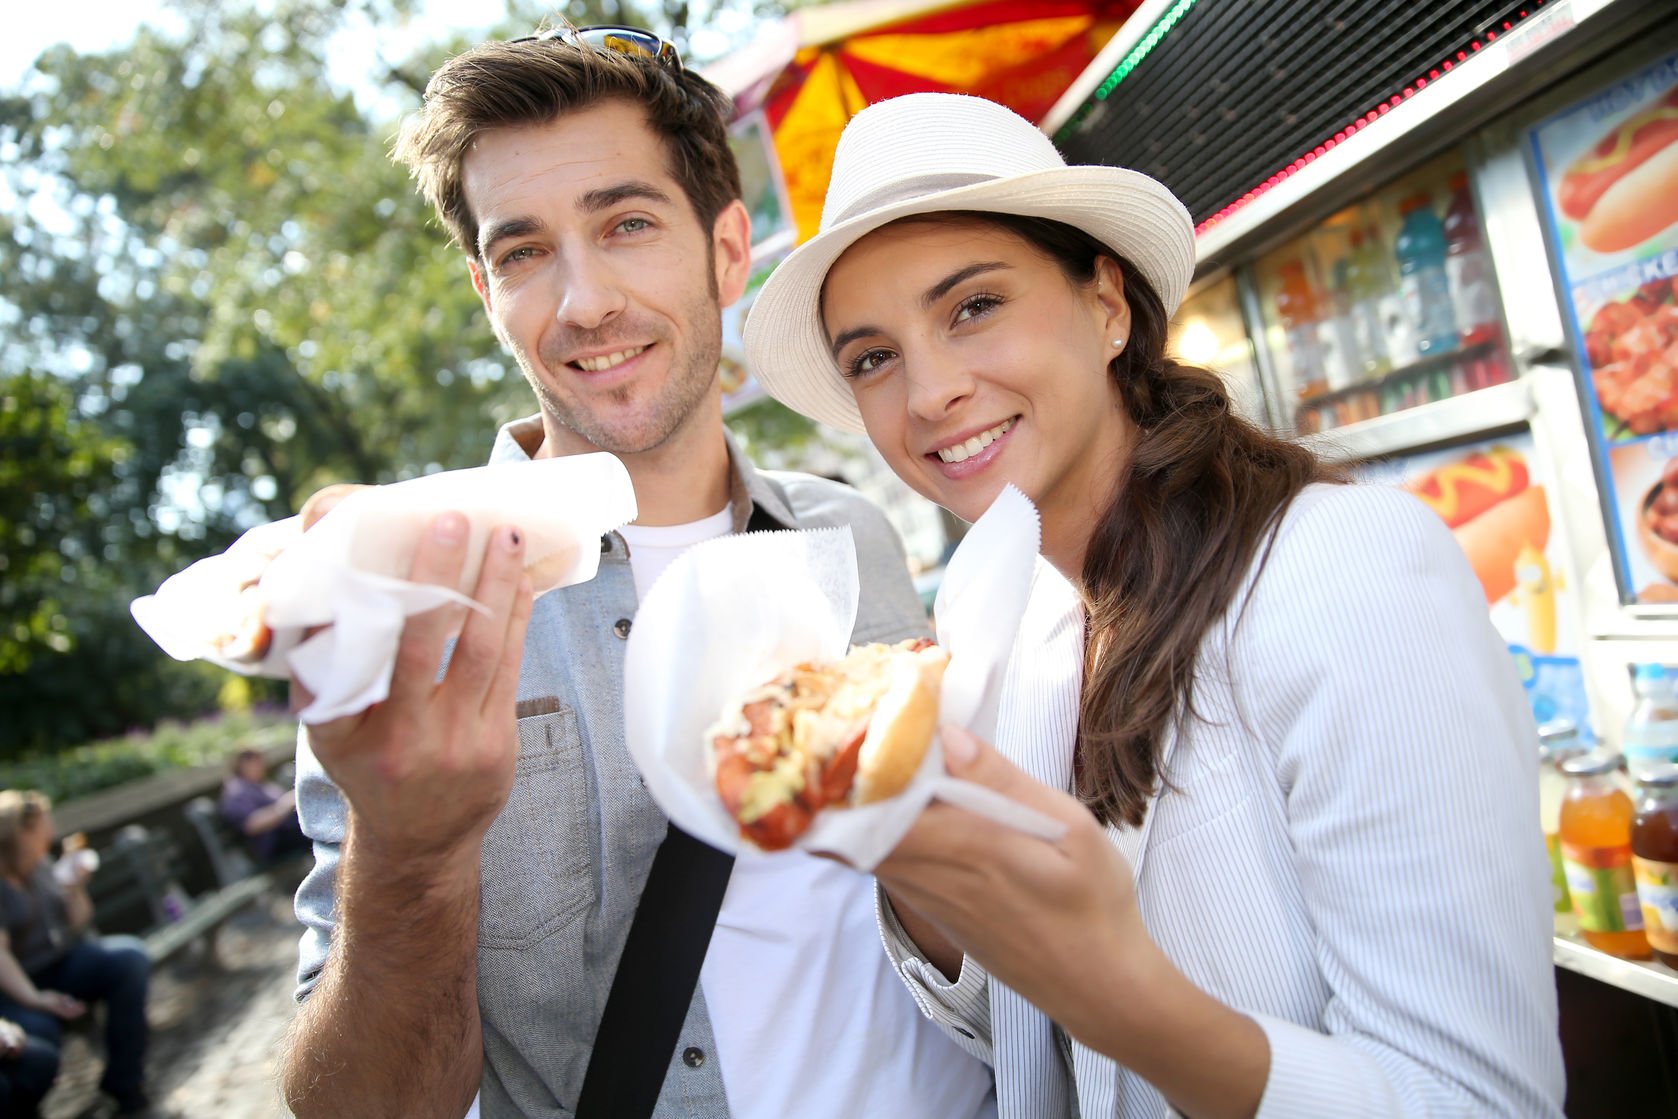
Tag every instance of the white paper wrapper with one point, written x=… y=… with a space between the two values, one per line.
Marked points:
x=347 y=572
x=731 y=614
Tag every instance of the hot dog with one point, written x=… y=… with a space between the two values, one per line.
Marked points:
x=1488 y=503
x=1625 y=189
x=844 y=733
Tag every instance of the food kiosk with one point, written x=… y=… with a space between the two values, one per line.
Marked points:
x=1421 y=247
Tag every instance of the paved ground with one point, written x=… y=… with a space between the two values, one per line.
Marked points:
x=216 y=1028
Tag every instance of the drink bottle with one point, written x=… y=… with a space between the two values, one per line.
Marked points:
x=1654 y=859
x=1420 y=252
x=1650 y=736
x=1595 y=829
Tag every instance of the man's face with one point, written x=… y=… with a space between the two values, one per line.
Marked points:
x=598 y=276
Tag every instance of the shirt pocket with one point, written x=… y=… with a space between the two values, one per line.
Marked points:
x=538 y=858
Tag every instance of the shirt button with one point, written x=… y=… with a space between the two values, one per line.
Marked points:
x=693 y=1056
x=621 y=627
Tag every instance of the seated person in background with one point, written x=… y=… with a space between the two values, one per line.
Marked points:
x=264 y=813
x=49 y=969
x=28 y=1066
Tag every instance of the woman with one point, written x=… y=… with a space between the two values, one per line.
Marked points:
x=49 y=969
x=1302 y=873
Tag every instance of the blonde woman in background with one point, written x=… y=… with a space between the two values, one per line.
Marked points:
x=50 y=968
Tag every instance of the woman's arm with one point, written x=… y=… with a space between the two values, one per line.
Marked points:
x=1406 y=761
x=16 y=985
x=932 y=945
x=78 y=907
x=1058 y=923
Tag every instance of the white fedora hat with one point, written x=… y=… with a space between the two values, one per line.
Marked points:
x=931 y=152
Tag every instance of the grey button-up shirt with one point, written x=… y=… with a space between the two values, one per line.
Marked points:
x=565 y=862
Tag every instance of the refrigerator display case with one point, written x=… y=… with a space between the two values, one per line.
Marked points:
x=1428 y=296
x=1389 y=304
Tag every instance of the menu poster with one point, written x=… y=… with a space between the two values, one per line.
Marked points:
x=1609 y=171
x=1493 y=496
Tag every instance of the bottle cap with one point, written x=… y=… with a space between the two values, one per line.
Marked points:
x=1649 y=673
x=1558 y=730
x=1593 y=763
x=1663 y=776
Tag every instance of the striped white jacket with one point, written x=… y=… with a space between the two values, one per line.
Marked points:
x=1350 y=852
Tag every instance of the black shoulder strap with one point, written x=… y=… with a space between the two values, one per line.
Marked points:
x=655 y=979
x=659 y=968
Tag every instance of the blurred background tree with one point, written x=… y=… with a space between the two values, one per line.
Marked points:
x=218 y=295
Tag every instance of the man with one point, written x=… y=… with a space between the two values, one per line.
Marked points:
x=477 y=879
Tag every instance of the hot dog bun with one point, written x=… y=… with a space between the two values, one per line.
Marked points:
x=1638 y=205
x=846 y=733
x=1488 y=503
x=1494 y=539
x=1624 y=190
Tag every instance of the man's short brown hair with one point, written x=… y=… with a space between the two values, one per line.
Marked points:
x=521 y=84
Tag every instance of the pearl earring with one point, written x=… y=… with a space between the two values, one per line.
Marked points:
x=1118 y=343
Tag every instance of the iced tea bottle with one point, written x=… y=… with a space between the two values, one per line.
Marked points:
x=1558 y=740
x=1596 y=821
x=1654 y=859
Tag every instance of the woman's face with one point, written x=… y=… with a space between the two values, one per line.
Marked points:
x=975 y=361
x=33 y=843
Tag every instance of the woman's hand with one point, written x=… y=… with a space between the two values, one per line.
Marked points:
x=60 y=1005
x=1057 y=922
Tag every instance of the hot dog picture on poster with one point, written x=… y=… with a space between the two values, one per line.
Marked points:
x=1610 y=171
x=1494 y=499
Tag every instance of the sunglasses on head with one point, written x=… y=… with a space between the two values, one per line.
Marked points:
x=619 y=40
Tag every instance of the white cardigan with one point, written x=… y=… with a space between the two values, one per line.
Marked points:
x=1350 y=850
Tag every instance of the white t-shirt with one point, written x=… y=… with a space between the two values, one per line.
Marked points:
x=809 y=1018
x=652 y=548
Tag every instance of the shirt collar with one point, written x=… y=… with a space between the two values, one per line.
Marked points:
x=748 y=490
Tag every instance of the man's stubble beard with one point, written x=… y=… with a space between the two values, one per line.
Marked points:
x=661 y=415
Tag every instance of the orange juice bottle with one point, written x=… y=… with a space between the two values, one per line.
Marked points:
x=1596 y=819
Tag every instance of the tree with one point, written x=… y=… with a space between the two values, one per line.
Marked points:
x=221 y=294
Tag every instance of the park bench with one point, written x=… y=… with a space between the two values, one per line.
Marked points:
x=141 y=870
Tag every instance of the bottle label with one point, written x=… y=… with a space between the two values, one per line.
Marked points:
x=1651 y=738
x=1558 y=875
x=1657 y=895
x=1604 y=892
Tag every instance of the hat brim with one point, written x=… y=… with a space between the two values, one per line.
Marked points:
x=1140 y=220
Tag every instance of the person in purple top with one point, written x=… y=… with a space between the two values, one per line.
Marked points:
x=261 y=811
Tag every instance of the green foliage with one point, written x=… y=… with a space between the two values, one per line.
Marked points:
x=220 y=295
x=88 y=769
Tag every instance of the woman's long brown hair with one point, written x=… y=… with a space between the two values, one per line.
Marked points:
x=1189 y=514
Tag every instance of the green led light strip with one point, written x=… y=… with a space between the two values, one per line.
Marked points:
x=1131 y=60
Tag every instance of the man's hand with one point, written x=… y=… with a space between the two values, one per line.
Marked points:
x=427 y=770
x=11 y=1038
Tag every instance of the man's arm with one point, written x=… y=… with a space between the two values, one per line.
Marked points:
x=391 y=1027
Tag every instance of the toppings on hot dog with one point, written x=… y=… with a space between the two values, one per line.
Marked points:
x=1625 y=189
x=845 y=733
